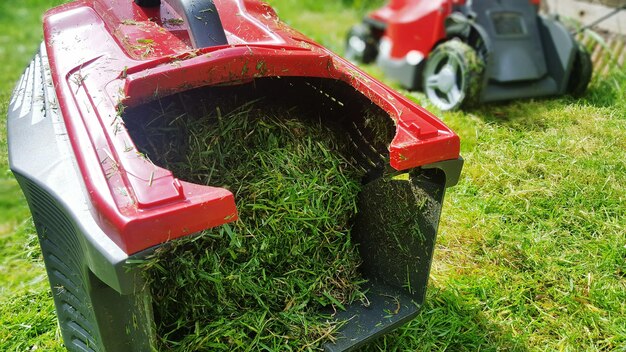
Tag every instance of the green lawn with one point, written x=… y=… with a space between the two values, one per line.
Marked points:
x=27 y=317
x=532 y=247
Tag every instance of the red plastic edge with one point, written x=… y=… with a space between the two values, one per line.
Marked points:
x=95 y=55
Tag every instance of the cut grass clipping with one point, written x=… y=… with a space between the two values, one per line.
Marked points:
x=262 y=281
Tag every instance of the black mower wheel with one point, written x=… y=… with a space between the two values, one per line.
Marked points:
x=452 y=75
x=581 y=73
x=361 y=44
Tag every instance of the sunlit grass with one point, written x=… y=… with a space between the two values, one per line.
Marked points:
x=532 y=249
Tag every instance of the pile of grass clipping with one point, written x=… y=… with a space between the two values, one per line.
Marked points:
x=260 y=282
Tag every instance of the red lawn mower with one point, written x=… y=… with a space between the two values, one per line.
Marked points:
x=99 y=204
x=462 y=51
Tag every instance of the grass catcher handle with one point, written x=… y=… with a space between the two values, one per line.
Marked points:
x=204 y=25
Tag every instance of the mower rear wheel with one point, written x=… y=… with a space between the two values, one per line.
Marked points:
x=452 y=76
x=361 y=44
x=582 y=69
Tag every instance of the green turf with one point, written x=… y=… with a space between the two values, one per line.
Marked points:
x=532 y=249
x=27 y=320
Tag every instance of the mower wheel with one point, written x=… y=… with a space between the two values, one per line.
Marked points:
x=582 y=69
x=452 y=75
x=361 y=44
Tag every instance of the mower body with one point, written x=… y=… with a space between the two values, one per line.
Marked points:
x=98 y=203
x=514 y=52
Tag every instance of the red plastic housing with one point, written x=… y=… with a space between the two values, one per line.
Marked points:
x=105 y=56
x=414 y=24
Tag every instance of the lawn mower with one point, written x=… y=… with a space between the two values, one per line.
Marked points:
x=100 y=205
x=464 y=52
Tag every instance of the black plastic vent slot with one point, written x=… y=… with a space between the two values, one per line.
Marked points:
x=63 y=256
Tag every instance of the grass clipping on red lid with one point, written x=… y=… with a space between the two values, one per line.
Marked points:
x=263 y=281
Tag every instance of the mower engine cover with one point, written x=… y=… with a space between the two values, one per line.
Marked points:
x=98 y=202
x=462 y=52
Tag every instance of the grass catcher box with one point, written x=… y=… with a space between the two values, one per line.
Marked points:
x=181 y=159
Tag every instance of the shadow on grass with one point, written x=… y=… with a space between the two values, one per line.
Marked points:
x=525 y=114
x=529 y=114
x=607 y=91
x=449 y=321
